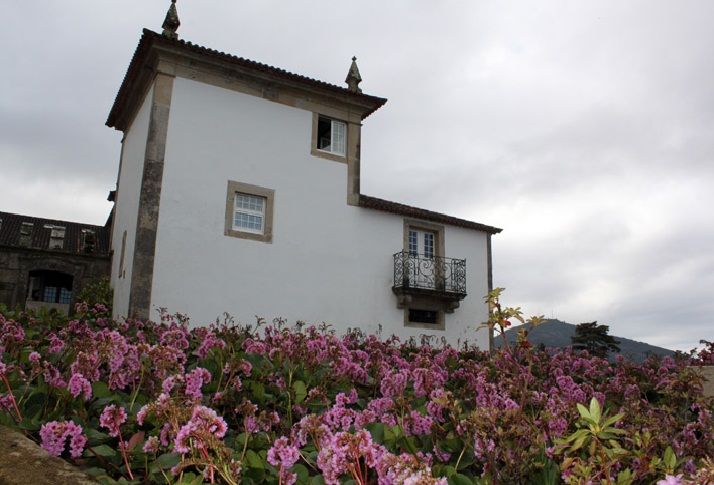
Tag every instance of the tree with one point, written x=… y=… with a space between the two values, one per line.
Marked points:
x=595 y=339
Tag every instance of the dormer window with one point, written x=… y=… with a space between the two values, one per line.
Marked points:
x=88 y=241
x=331 y=135
x=25 y=234
x=56 y=236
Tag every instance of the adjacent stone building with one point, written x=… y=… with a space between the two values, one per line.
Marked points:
x=45 y=262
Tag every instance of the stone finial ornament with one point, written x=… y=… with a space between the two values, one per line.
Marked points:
x=171 y=22
x=353 y=77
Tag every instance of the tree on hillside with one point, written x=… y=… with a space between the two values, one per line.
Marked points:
x=595 y=339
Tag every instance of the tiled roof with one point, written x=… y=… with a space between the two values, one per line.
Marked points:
x=40 y=236
x=150 y=38
x=417 y=213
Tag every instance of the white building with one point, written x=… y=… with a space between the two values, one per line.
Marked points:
x=239 y=192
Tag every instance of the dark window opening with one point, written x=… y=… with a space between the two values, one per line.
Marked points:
x=324 y=134
x=423 y=316
x=50 y=287
x=88 y=241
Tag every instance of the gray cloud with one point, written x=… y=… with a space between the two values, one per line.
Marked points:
x=584 y=130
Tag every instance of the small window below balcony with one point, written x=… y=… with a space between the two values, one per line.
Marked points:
x=423 y=316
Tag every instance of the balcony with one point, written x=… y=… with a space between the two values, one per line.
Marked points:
x=435 y=277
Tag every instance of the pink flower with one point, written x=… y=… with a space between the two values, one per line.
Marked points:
x=55 y=433
x=79 y=385
x=670 y=480
x=282 y=454
x=204 y=425
x=151 y=445
x=112 y=418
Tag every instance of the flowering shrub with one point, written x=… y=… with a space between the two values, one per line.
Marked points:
x=161 y=402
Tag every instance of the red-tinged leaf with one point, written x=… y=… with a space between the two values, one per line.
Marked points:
x=135 y=440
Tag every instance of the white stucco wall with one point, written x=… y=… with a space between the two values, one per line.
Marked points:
x=127 y=203
x=328 y=262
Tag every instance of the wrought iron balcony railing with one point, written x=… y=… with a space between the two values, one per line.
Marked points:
x=445 y=276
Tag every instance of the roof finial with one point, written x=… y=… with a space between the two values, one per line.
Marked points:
x=171 y=22
x=353 y=78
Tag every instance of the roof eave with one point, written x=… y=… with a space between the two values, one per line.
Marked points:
x=404 y=210
x=144 y=55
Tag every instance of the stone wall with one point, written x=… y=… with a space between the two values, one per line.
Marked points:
x=16 y=264
x=23 y=462
x=708 y=373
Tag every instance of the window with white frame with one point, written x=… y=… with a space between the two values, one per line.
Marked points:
x=56 y=236
x=249 y=213
x=331 y=135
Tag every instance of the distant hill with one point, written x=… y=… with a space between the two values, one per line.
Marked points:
x=554 y=333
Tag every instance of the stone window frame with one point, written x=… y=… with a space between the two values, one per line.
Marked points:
x=418 y=302
x=323 y=153
x=250 y=189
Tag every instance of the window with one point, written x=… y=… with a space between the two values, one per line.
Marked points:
x=88 y=241
x=56 y=236
x=421 y=243
x=423 y=316
x=50 y=287
x=122 y=272
x=249 y=212
x=25 y=234
x=331 y=135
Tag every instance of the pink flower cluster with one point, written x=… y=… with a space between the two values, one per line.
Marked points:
x=55 y=434
x=112 y=418
x=204 y=425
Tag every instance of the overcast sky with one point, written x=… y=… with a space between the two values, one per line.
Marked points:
x=583 y=129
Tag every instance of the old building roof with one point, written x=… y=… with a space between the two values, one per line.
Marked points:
x=142 y=57
x=39 y=235
x=409 y=211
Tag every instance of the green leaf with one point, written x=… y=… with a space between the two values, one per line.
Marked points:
x=95 y=437
x=168 y=460
x=460 y=479
x=584 y=413
x=100 y=390
x=317 y=480
x=258 y=390
x=191 y=479
x=102 y=450
x=303 y=475
x=595 y=411
x=300 y=391
x=614 y=419
x=253 y=460
x=670 y=459
x=377 y=432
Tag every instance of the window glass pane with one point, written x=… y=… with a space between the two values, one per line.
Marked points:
x=249 y=202
x=338 y=137
x=324 y=133
x=50 y=294
x=413 y=242
x=249 y=213
x=65 y=295
x=429 y=244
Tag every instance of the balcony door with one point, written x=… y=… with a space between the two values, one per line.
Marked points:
x=422 y=268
